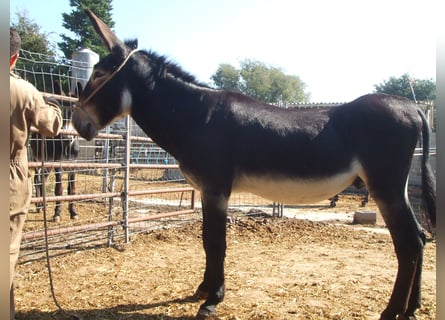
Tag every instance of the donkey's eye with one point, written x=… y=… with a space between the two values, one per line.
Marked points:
x=97 y=74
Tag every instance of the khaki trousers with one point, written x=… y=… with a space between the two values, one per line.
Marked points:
x=19 y=200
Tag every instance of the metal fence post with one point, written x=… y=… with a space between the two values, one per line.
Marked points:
x=127 y=176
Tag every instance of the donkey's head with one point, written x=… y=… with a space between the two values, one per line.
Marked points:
x=106 y=96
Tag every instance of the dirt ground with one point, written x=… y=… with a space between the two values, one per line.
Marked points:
x=276 y=268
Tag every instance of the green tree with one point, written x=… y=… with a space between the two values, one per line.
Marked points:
x=78 y=23
x=37 y=61
x=226 y=77
x=424 y=90
x=33 y=39
x=256 y=79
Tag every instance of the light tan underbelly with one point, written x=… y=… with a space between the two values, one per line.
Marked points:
x=297 y=191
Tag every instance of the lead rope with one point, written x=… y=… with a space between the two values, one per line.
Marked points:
x=73 y=316
x=45 y=226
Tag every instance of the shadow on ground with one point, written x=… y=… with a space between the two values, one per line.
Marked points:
x=128 y=311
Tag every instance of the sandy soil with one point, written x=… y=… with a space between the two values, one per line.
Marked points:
x=276 y=268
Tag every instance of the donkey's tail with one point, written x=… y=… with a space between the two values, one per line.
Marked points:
x=428 y=178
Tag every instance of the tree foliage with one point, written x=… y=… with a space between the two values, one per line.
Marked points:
x=227 y=77
x=37 y=55
x=256 y=79
x=78 y=23
x=32 y=38
x=424 y=90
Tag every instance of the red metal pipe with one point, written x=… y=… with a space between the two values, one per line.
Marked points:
x=33 y=235
x=94 y=165
x=110 y=194
x=161 y=215
x=51 y=232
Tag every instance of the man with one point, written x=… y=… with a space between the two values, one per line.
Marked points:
x=28 y=107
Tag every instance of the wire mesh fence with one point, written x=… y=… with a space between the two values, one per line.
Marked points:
x=119 y=184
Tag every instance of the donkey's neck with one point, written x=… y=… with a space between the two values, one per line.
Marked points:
x=171 y=111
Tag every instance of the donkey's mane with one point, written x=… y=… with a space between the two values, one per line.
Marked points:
x=164 y=65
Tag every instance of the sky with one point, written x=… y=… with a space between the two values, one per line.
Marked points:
x=339 y=49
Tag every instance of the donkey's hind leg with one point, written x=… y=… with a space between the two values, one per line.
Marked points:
x=365 y=199
x=39 y=176
x=415 y=299
x=408 y=241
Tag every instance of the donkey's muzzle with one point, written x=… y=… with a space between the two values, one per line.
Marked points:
x=83 y=124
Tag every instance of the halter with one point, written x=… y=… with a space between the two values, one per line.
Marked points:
x=109 y=77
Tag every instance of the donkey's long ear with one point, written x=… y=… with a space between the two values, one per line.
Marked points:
x=108 y=37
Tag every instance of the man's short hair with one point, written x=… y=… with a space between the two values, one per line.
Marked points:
x=14 y=41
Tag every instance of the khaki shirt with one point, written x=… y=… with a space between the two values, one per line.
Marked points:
x=29 y=108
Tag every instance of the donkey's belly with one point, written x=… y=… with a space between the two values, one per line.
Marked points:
x=297 y=190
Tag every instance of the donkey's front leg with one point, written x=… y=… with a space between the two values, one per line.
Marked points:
x=214 y=207
x=38 y=178
x=58 y=191
x=71 y=192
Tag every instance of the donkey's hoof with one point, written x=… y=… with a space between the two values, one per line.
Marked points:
x=74 y=217
x=207 y=312
x=406 y=317
x=56 y=218
x=389 y=316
